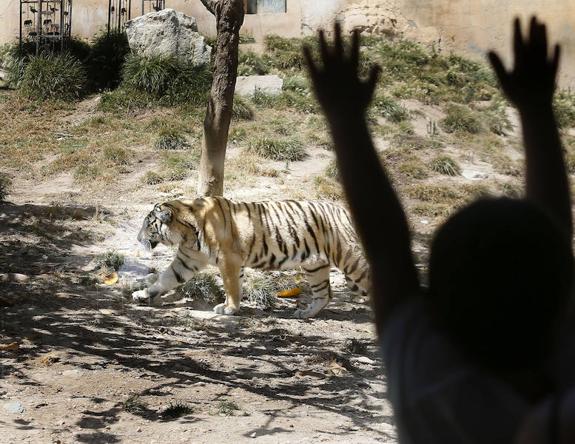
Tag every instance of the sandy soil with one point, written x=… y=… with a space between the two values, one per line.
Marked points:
x=87 y=365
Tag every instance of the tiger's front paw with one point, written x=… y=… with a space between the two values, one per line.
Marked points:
x=224 y=309
x=141 y=296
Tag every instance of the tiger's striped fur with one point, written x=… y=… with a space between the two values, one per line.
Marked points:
x=267 y=235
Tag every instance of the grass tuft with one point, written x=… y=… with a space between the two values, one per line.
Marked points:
x=227 y=407
x=461 y=119
x=203 y=287
x=176 y=410
x=110 y=260
x=171 y=139
x=445 y=165
x=242 y=110
x=289 y=149
x=53 y=77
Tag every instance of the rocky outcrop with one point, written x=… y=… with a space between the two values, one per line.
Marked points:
x=168 y=33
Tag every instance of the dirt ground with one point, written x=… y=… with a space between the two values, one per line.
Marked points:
x=82 y=363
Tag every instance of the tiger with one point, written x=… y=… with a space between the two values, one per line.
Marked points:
x=267 y=235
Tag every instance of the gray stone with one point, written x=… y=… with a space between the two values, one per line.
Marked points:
x=248 y=85
x=14 y=407
x=168 y=33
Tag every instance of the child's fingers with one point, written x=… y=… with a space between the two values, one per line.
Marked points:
x=323 y=49
x=518 y=46
x=311 y=66
x=498 y=67
x=556 y=60
x=354 y=54
x=338 y=40
x=374 y=74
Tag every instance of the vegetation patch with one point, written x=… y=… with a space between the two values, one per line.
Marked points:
x=242 y=110
x=171 y=139
x=53 y=77
x=285 y=149
x=110 y=260
x=176 y=410
x=445 y=165
x=203 y=288
x=461 y=119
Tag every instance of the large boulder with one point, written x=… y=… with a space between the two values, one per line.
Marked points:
x=168 y=33
x=248 y=85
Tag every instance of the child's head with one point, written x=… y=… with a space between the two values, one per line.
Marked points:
x=499 y=276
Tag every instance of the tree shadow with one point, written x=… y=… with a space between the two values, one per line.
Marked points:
x=56 y=309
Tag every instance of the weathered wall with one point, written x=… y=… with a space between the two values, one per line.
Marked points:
x=470 y=26
x=474 y=26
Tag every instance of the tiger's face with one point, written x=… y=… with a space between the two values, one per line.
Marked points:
x=156 y=228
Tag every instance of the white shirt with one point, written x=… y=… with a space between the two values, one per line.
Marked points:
x=438 y=398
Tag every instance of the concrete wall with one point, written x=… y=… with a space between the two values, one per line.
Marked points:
x=468 y=26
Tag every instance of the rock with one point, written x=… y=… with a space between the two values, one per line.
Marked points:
x=248 y=85
x=168 y=33
x=14 y=407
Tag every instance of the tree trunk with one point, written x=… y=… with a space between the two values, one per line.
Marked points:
x=229 y=19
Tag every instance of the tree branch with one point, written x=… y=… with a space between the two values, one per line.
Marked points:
x=210 y=5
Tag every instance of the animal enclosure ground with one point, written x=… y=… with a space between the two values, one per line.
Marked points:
x=93 y=367
x=81 y=363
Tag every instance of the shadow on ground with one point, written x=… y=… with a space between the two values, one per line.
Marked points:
x=57 y=307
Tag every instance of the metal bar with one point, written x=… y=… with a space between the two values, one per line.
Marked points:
x=109 y=14
x=21 y=18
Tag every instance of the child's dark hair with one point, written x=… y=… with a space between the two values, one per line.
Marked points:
x=500 y=275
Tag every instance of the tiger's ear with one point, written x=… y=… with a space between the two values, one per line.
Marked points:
x=163 y=213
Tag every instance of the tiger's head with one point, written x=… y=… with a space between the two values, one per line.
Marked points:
x=156 y=228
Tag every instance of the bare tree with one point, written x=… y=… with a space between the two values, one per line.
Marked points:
x=229 y=19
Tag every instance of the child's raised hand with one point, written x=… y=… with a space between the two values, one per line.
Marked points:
x=336 y=83
x=531 y=82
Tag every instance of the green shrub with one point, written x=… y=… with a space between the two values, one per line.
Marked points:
x=250 y=63
x=167 y=80
x=53 y=77
x=5 y=186
x=284 y=53
x=190 y=85
x=106 y=59
x=445 y=165
x=149 y=74
x=170 y=139
x=13 y=59
x=278 y=149
x=461 y=119
x=242 y=109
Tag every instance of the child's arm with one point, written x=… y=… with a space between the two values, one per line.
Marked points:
x=377 y=212
x=530 y=87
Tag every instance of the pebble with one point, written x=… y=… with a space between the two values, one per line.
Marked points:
x=14 y=407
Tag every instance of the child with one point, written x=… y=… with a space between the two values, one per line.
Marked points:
x=467 y=357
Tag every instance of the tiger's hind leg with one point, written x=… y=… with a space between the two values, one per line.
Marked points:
x=357 y=275
x=318 y=278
